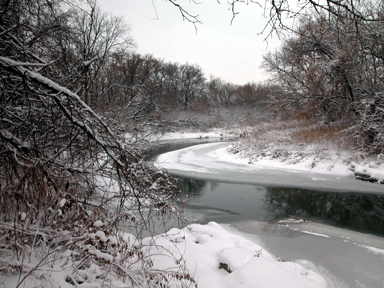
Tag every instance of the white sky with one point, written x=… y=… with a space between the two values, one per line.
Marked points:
x=231 y=52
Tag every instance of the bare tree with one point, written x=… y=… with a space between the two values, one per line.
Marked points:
x=95 y=36
x=222 y=92
x=63 y=172
x=317 y=68
x=191 y=83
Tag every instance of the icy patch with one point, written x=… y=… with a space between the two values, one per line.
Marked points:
x=214 y=161
x=373 y=250
x=316 y=234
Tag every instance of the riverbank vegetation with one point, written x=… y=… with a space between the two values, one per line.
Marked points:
x=72 y=86
x=69 y=184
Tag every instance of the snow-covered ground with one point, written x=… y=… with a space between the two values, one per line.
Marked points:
x=213 y=256
x=219 y=259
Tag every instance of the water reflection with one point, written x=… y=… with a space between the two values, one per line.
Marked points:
x=356 y=211
x=193 y=187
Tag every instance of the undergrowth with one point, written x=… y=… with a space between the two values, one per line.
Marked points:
x=294 y=141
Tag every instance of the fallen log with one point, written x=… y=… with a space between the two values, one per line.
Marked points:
x=367 y=174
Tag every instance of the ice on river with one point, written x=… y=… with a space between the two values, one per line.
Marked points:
x=213 y=161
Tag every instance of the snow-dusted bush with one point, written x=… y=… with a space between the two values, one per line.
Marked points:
x=369 y=131
x=68 y=184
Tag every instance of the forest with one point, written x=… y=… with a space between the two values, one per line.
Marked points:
x=73 y=88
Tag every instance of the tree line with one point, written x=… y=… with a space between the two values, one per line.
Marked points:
x=143 y=87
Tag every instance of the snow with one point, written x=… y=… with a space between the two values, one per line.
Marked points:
x=112 y=240
x=98 y=223
x=101 y=255
x=376 y=174
x=249 y=265
x=101 y=236
x=219 y=259
x=220 y=152
x=213 y=255
x=215 y=161
x=314 y=158
x=290 y=221
x=62 y=202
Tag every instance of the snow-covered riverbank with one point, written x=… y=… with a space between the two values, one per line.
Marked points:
x=219 y=258
x=214 y=161
x=319 y=159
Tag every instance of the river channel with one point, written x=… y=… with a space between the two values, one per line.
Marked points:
x=339 y=232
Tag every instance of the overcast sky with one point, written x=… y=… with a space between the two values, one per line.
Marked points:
x=231 y=52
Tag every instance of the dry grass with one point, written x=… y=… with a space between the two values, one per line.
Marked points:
x=296 y=141
x=313 y=134
x=299 y=132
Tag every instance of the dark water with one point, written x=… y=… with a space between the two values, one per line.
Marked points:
x=346 y=222
x=228 y=203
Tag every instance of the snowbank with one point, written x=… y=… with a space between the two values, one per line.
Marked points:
x=214 y=257
x=294 y=160
x=367 y=174
x=220 y=259
x=214 y=161
x=299 y=158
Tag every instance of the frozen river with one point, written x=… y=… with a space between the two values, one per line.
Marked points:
x=333 y=221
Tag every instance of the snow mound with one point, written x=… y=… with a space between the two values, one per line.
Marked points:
x=367 y=174
x=219 y=258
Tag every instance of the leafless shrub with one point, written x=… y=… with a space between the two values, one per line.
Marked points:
x=369 y=131
x=69 y=185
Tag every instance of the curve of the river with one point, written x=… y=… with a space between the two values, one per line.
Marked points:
x=205 y=161
x=228 y=191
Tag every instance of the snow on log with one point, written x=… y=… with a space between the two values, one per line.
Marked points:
x=367 y=174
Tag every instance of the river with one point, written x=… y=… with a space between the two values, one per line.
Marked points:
x=336 y=223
